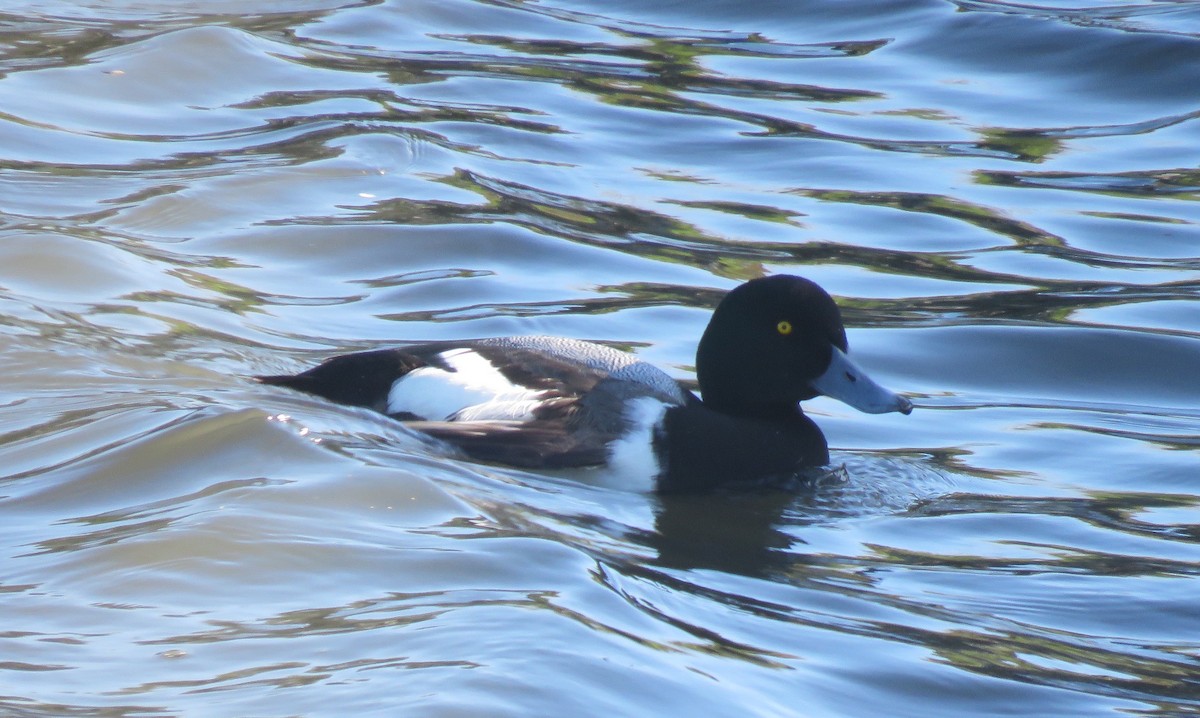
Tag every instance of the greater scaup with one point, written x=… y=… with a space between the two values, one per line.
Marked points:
x=545 y=402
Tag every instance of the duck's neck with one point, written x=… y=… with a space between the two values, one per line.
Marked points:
x=710 y=447
x=739 y=407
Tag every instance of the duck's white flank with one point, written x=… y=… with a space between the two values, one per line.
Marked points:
x=632 y=463
x=474 y=391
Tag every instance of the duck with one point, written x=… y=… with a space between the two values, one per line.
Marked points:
x=543 y=403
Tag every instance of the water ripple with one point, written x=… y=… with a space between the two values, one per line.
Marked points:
x=999 y=195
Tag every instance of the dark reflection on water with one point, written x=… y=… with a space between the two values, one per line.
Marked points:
x=740 y=534
x=1179 y=181
x=1116 y=512
x=1000 y=196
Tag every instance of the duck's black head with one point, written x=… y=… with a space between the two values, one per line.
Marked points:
x=776 y=341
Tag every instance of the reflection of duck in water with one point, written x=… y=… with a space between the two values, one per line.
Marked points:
x=544 y=402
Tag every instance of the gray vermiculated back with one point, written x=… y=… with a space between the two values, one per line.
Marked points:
x=616 y=364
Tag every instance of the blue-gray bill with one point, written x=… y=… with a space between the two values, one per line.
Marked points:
x=846 y=382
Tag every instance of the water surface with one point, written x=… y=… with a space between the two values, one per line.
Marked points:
x=1001 y=196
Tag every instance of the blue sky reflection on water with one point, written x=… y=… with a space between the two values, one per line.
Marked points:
x=1001 y=197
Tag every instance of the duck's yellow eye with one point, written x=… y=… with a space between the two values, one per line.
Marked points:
x=784 y=327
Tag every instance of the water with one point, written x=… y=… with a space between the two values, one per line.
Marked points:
x=1000 y=195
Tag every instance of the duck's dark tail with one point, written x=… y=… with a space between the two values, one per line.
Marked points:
x=362 y=379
